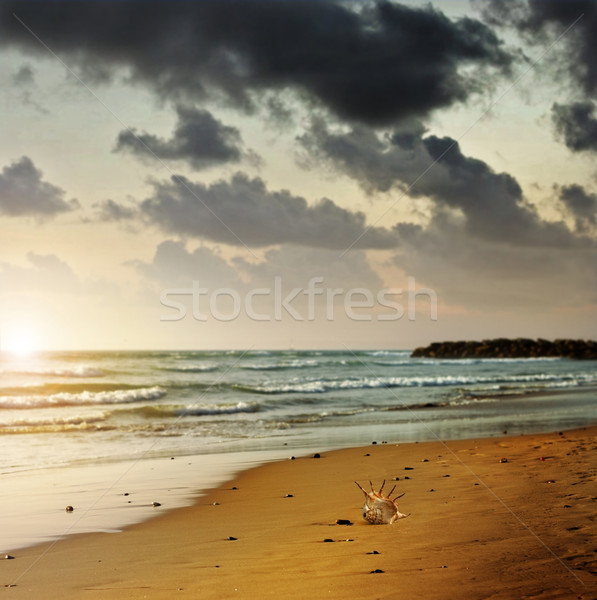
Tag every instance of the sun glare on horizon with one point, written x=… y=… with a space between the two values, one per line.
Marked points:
x=20 y=342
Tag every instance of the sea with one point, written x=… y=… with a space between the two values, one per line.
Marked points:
x=122 y=435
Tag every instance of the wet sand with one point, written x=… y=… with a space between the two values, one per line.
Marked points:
x=508 y=517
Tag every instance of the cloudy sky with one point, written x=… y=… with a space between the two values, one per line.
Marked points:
x=285 y=173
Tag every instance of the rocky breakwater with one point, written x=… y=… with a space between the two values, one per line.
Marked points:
x=510 y=348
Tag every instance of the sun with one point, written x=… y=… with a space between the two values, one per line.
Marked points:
x=21 y=342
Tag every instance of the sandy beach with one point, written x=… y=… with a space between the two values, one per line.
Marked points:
x=508 y=517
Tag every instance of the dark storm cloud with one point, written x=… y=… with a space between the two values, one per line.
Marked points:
x=23 y=81
x=542 y=21
x=577 y=124
x=581 y=205
x=244 y=211
x=24 y=76
x=199 y=139
x=24 y=193
x=109 y=211
x=481 y=273
x=491 y=203
x=374 y=63
x=173 y=264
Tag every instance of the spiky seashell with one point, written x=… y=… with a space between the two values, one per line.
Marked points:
x=380 y=509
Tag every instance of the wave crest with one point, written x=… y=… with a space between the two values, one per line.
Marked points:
x=82 y=399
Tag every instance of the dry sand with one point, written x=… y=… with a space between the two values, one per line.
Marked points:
x=478 y=528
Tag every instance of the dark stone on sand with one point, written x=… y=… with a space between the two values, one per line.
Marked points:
x=69 y=509
x=432 y=490
x=510 y=348
x=409 y=468
x=407 y=477
x=425 y=460
x=289 y=496
x=374 y=443
x=373 y=552
x=567 y=506
x=367 y=454
x=156 y=504
x=232 y=539
x=327 y=540
x=376 y=571
x=9 y=557
x=343 y=522
x=316 y=455
x=292 y=458
x=503 y=460
x=446 y=476
x=234 y=487
x=125 y=494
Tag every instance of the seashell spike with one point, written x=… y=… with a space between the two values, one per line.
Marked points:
x=380 y=509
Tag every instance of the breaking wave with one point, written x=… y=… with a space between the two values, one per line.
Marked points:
x=82 y=399
x=330 y=385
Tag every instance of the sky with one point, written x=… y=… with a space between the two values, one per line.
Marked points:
x=253 y=174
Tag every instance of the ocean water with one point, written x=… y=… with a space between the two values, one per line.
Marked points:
x=88 y=418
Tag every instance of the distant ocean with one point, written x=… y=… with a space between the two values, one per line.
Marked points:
x=75 y=410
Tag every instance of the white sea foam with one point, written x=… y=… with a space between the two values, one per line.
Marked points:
x=83 y=398
x=81 y=371
x=327 y=385
x=50 y=424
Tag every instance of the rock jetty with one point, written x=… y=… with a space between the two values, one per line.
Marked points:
x=510 y=348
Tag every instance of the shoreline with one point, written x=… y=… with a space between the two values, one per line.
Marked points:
x=281 y=512
x=97 y=489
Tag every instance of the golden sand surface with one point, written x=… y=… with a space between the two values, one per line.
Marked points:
x=508 y=517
